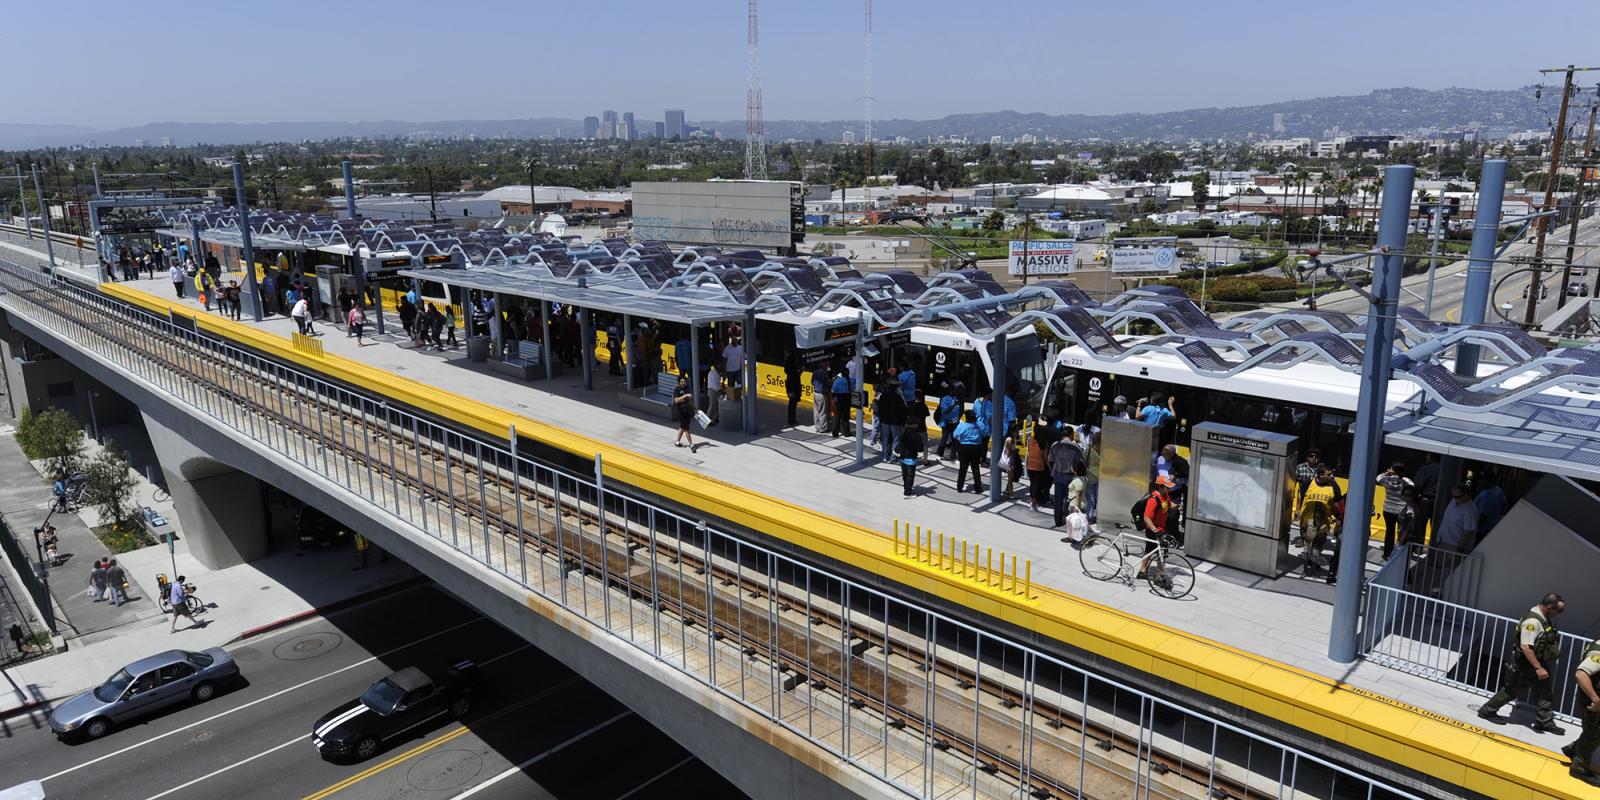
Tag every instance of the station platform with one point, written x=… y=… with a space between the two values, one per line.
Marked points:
x=1249 y=642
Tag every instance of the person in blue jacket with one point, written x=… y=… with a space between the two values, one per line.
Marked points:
x=969 y=452
x=841 y=404
x=948 y=416
x=983 y=410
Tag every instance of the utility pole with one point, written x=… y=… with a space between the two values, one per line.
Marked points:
x=1585 y=160
x=1027 y=225
x=44 y=220
x=1436 y=234
x=1558 y=140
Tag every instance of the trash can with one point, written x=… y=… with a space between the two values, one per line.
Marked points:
x=478 y=349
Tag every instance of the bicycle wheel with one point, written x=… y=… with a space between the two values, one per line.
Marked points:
x=1101 y=557
x=160 y=495
x=1170 y=575
x=194 y=604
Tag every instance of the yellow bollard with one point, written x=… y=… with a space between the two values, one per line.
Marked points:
x=941 y=550
x=962 y=560
x=1013 y=573
x=1002 y=570
x=920 y=545
x=988 y=569
x=897 y=537
x=1027 y=578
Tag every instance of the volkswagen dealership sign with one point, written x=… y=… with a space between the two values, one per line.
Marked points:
x=1149 y=255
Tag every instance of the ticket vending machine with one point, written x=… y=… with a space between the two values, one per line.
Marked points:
x=1241 y=495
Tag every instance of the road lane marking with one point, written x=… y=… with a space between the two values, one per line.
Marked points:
x=552 y=751
x=658 y=776
x=215 y=773
x=259 y=701
x=426 y=746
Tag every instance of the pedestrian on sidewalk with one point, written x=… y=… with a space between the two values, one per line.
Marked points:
x=1065 y=459
x=791 y=383
x=108 y=275
x=117 y=582
x=59 y=487
x=361 y=552
x=179 y=598
x=1581 y=751
x=97 y=580
x=175 y=274
x=231 y=294
x=841 y=405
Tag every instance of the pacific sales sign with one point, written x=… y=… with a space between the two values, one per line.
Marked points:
x=1049 y=257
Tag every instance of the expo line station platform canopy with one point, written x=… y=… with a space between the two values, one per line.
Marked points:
x=1428 y=742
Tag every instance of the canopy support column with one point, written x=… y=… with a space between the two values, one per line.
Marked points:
x=586 y=343
x=544 y=341
x=750 y=372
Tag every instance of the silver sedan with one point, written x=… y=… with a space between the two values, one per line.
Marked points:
x=144 y=687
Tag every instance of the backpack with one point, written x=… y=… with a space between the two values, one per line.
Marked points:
x=1137 y=511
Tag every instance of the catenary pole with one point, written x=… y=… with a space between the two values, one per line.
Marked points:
x=22 y=194
x=997 y=419
x=1386 y=273
x=44 y=220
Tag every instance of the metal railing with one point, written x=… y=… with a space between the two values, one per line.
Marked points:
x=1418 y=617
x=927 y=704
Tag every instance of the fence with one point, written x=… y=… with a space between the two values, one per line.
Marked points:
x=925 y=703
x=1418 y=617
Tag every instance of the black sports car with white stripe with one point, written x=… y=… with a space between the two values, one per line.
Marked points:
x=403 y=704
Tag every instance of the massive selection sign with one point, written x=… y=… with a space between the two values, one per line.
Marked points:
x=759 y=214
x=1145 y=256
x=1048 y=257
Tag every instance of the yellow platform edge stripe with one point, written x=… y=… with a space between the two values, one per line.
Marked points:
x=1474 y=758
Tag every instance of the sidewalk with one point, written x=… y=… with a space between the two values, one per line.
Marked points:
x=101 y=638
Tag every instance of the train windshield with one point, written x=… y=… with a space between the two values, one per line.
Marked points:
x=1025 y=370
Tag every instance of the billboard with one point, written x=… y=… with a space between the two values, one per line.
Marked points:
x=734 y=214
x=1048 y=257
x=1144 y=256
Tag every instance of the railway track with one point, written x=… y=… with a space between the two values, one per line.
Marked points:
x=903 y=688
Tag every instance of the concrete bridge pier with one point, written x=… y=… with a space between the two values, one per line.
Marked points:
x=220 y=508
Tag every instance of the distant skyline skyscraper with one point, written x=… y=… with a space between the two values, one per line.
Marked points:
x=628 y=132
x=661 y=130
x=608 y=124
x=591 y=127
x=674 y=124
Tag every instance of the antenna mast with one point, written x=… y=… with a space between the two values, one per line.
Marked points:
x=868 y=121
x=755 y=127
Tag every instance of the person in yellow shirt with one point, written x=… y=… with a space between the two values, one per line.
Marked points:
x=1319 y=513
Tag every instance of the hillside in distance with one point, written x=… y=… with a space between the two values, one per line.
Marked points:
x=1380 y=111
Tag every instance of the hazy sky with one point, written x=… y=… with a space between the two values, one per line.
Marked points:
x=106 y=63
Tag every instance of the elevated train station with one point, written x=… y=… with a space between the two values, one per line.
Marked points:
x=1242 y=660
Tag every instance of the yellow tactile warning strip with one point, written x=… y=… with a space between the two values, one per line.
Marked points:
x=1459 y=753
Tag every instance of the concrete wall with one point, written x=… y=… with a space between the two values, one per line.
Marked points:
x=34 y=379
x=762 y=759
x=1545 y=543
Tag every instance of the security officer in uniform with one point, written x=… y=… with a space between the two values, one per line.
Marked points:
x=1582 y=751
x=1528 y=666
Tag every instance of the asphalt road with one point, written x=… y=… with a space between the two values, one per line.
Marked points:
x=1450 y=282
x=538 y=730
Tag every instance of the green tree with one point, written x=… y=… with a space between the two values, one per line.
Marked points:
x=110 y=485
x=1200 y=184
x=994 y=221
x=53 y=436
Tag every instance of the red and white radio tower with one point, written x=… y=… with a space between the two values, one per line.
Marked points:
x=755 y=127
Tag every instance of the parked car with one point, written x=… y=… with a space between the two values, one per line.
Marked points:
x=1577 y=288
x=400 y=704
x=1544 y=291
x=317 y=529
x=144 y=687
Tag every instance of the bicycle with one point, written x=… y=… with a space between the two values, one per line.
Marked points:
x=164 y=596
x=1104 y=558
